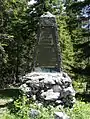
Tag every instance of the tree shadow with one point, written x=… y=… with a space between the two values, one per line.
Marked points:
x=83 y=96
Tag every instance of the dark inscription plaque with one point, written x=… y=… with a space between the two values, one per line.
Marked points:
x=46 y=55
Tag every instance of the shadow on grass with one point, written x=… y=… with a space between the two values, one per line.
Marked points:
x=13 y=93
x=8 y=96
x=83 y=96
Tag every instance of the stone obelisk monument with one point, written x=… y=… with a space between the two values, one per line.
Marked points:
x=47 y=82
x=47 y=51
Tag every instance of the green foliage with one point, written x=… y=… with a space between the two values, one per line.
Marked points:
x=18 y=35
x=79 y=86
x=3 y=56
x=19 y=23
x=80 y=39
x=66 y=44
x=22 y=107
x=81 y=110
x=9 y=116
x=17 y=31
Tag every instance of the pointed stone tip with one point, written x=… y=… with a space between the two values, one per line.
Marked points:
x=48 y=14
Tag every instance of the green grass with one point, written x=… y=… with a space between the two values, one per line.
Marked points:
x=80 y=110
x=22 y=106
x=9 y=116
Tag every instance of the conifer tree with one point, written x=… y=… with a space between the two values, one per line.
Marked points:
x=80 y=36
x=66 y=45
x=20 y=31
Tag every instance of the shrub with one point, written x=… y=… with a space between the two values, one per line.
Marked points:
x=80 y=110
x=22 y=107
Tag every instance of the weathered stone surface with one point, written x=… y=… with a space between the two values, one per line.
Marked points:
x=57 y=88
x=60 y=115
x=34 y=113
x=50 y=95
x=50 y=87
x=47 y=49
x=25 y=88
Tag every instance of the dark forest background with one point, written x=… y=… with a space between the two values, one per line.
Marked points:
x=18 y=35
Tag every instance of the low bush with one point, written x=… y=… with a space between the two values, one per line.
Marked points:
x=80 y=110
x=22 y=107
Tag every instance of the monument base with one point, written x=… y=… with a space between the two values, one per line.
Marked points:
x=55 y=88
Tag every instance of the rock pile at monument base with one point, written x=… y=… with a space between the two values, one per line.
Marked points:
x=60 y=115
x=55 y=88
